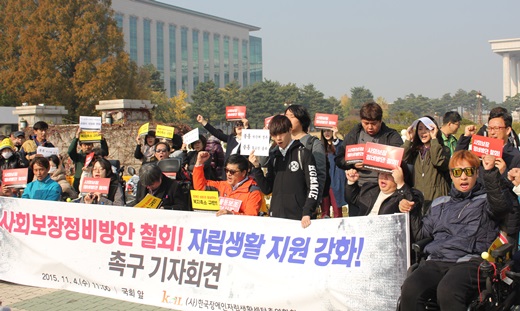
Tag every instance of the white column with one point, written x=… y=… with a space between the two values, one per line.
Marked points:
x=514 y=75
x=140 y=41
x=211 y=57
x=178 y=54
x=506 y=64
x=240 y=65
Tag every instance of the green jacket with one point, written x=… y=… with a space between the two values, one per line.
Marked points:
x=79 y=157
x=431 y=174
x=450 y=141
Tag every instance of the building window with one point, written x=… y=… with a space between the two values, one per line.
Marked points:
x=206 y=56
x=147 y=42
x=216 y=59
x=184 y=56
x=195 y=56
x=235 y=59
x=226 y=60
x=173 y=64
x=133 y=38
x=160 y=48
x=255 y=59
x=245 y=63
x=119 y=21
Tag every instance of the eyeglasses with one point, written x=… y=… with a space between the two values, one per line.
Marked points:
x=496 y=128
x=160 y=150
x=457 y=172
x=232 y=172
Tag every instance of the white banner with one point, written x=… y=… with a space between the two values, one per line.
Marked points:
x=197 y=261
x=191 y=137
x=47 y=151
x=257 y=140
x=90 y=123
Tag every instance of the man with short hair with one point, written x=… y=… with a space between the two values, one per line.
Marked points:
x=461 y=226
x=370 y=129
x=450 y=126
x=30 y=146
x=153 y=181
x=18 y=138
x=291 y=175
x=43 y=187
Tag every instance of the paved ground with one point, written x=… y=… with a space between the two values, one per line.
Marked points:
x=27 y=298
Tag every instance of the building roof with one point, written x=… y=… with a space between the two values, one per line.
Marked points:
x=7 y=116
x=195 y=13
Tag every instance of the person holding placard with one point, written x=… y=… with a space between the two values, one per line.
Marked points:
x=424 y=150
x=145 y=151
x=370 y=129
x=191 y=158
x=79 y=158
x=499 y=127
x=461 y=225
x=57 y=172
x=238 y=185
x=43 y=188
x=152 y=181
x=291 y=175
x=103 y=169
x=232 y=141
x=29 y=147
x=9 y=157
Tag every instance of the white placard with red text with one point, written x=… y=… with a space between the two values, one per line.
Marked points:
x=95 y=185
x=482 y=145
x=325 y=121
x=196 y=261
x=235 y=113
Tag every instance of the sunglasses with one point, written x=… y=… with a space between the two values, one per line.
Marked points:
x=161 y=150
x=469 y=171
x=232 y=172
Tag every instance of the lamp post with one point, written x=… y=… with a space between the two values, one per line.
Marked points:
x=479 y=107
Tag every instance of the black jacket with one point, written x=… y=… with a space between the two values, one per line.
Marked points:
x=169 y=192
x=365 y=197
x=386 y=136
x=293 y=181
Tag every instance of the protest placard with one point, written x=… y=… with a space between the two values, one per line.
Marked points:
x=230 y=204
x=191 y=137
x=235 y=113
x=267 y=121
x=354 y=153
x=47 y=151
x=143 y=129
x=149 y=201
x=15 y=177
x=325 y=121
x=90 y=137
x=382 y=158
x=95 y=185
x=204 y=200
x=90 y=123
x=482 y=145
x=164 y=131
x=257 y=140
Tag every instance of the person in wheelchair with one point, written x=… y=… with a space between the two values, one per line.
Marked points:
x=461 y=225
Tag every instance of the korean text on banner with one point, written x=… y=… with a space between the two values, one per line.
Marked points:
x=149 y=201
x=482 y=145
x=90 y=123
x=325 y=121
x=15 y=178
x=235 y=113
x=382 y=158
x=90 y=136
x=95 y=185
x=257 y=140
x=164 y=131
x=196 y=261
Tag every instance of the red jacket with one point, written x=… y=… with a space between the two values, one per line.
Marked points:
x=251 y=200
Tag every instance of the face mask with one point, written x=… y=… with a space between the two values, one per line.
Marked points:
x=52 y=169
x=7 y=154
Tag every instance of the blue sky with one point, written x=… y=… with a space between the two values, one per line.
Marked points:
x=393 y=48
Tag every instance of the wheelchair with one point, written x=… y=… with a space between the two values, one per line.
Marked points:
x=502 y=284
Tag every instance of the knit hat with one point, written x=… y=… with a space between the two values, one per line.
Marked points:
x=6 y=143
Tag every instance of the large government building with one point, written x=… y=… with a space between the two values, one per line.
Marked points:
x=189 y=47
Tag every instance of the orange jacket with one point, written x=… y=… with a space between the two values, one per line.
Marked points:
x=251 y=200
